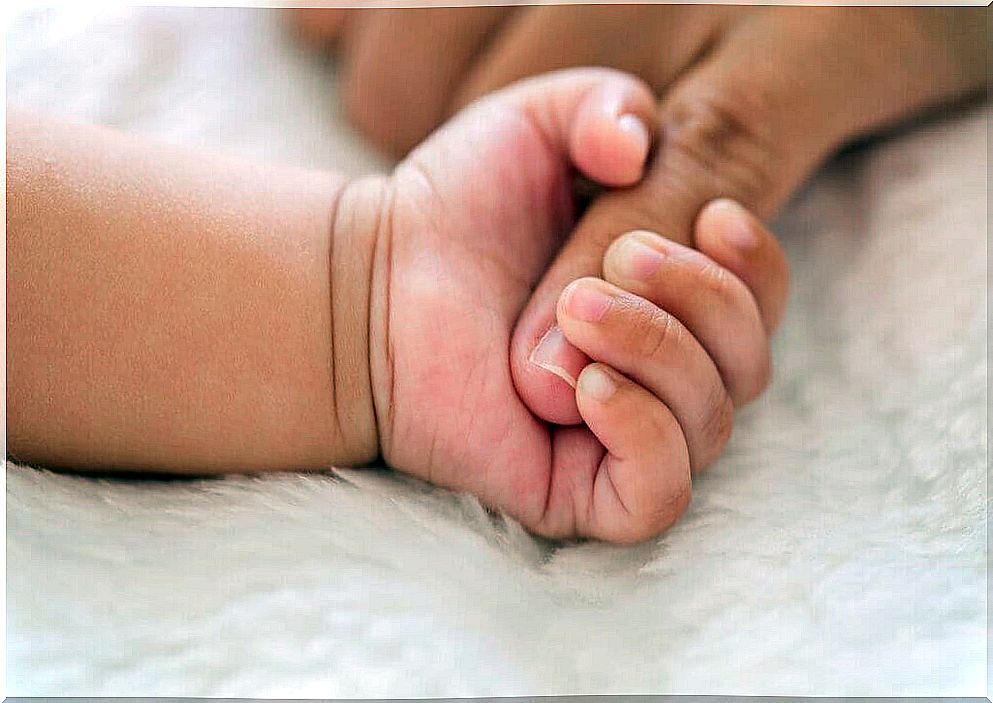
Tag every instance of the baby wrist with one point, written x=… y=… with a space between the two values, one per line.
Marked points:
x=355 y=223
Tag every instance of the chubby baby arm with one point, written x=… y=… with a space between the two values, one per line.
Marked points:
x=175 y=311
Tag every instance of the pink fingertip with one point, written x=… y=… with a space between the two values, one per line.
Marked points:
x=636 y=132
x=737 y=229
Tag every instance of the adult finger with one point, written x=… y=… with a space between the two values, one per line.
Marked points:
x=654 y=42
x=598 y=118
x=402 y=67
x=319 y=27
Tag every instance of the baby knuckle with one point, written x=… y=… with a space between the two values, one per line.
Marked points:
x=643 y=527
x=646 y=524
x=668 y=507
x=659 y=332
x=717 y=424
x=716 y=282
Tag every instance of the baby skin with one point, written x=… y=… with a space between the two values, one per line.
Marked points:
x=173 y=312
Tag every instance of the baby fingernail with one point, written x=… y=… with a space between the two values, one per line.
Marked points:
x=556 y=355
x=597 y=383
x=737 y=230
x=587 y=301
x=637 y=260
x=636 y=131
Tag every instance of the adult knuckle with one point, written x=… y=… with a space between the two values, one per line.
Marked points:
x=361 y=104
x=728 y=134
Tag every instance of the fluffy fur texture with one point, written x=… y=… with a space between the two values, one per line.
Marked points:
x=837 y=548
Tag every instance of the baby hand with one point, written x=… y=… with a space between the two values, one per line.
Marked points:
x=679 y=338
x=465 y=227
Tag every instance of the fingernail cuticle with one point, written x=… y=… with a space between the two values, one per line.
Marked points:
x=738 y=230
x=587 y=302
x=549 y=352
x=638 y=260
x=597 y=383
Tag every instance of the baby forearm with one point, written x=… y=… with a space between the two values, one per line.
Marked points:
x=171 y=311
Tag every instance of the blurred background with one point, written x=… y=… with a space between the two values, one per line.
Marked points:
x=232 y=79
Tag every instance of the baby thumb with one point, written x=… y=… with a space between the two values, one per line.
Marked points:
x=600 y=121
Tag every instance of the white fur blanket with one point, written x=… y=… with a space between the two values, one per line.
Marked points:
x=838 y=548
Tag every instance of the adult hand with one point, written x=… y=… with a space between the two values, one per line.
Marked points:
x=407 y=70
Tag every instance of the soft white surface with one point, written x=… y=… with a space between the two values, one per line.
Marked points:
x=838 y=548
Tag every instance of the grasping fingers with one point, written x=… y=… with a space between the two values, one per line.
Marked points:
x=655 y=400
x=710 y=301
x=725 y=131
x=626 y=476
x=656 y=350
x=683 y=324
x=642 y=484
